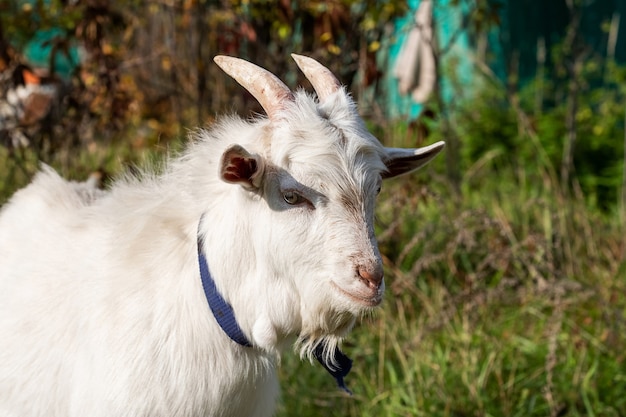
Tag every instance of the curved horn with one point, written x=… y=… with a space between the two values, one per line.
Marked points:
x=266 y=88
x=322 y=80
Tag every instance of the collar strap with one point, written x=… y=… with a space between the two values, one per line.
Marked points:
x=339 y=367
x=223 y=312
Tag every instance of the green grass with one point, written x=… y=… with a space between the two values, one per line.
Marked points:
x=508 y=300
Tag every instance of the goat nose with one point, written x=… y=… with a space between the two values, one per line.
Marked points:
x=373 y=276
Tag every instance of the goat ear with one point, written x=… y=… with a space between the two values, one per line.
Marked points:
x=241 y=167
x=402 y=161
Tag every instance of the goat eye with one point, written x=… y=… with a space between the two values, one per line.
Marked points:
x=378 y=190
x=292 y=198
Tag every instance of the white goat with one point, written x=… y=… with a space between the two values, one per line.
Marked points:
x=102 y=307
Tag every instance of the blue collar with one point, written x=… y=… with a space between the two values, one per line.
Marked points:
x=225 y=317
x=222 y=311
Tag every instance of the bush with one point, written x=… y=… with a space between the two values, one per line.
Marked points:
x=489 y=122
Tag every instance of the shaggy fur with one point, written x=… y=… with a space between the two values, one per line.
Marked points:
x=102 y=311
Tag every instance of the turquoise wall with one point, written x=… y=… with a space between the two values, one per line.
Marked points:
x=522 y=23
x=446 y=19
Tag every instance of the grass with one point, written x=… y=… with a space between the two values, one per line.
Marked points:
x=508 y=300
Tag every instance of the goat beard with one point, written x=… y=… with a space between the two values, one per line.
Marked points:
x=329 y=336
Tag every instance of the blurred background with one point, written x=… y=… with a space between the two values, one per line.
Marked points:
x=504 y=258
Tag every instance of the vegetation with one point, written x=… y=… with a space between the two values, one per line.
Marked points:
x=147 y=64
x=507 y=301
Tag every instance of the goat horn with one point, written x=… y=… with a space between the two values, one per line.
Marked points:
x=322 y=80
x=266 y=88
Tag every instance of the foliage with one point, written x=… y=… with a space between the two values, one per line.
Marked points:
x=146 y=65
x=69 y=43
x=488 y=122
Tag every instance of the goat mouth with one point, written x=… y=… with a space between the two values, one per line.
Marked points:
x=371 y=298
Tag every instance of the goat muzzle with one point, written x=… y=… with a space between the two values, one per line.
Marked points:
x=372 y=276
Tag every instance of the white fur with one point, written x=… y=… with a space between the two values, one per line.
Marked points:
x=102 y=311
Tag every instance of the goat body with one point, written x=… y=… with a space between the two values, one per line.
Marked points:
x=102 y=310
